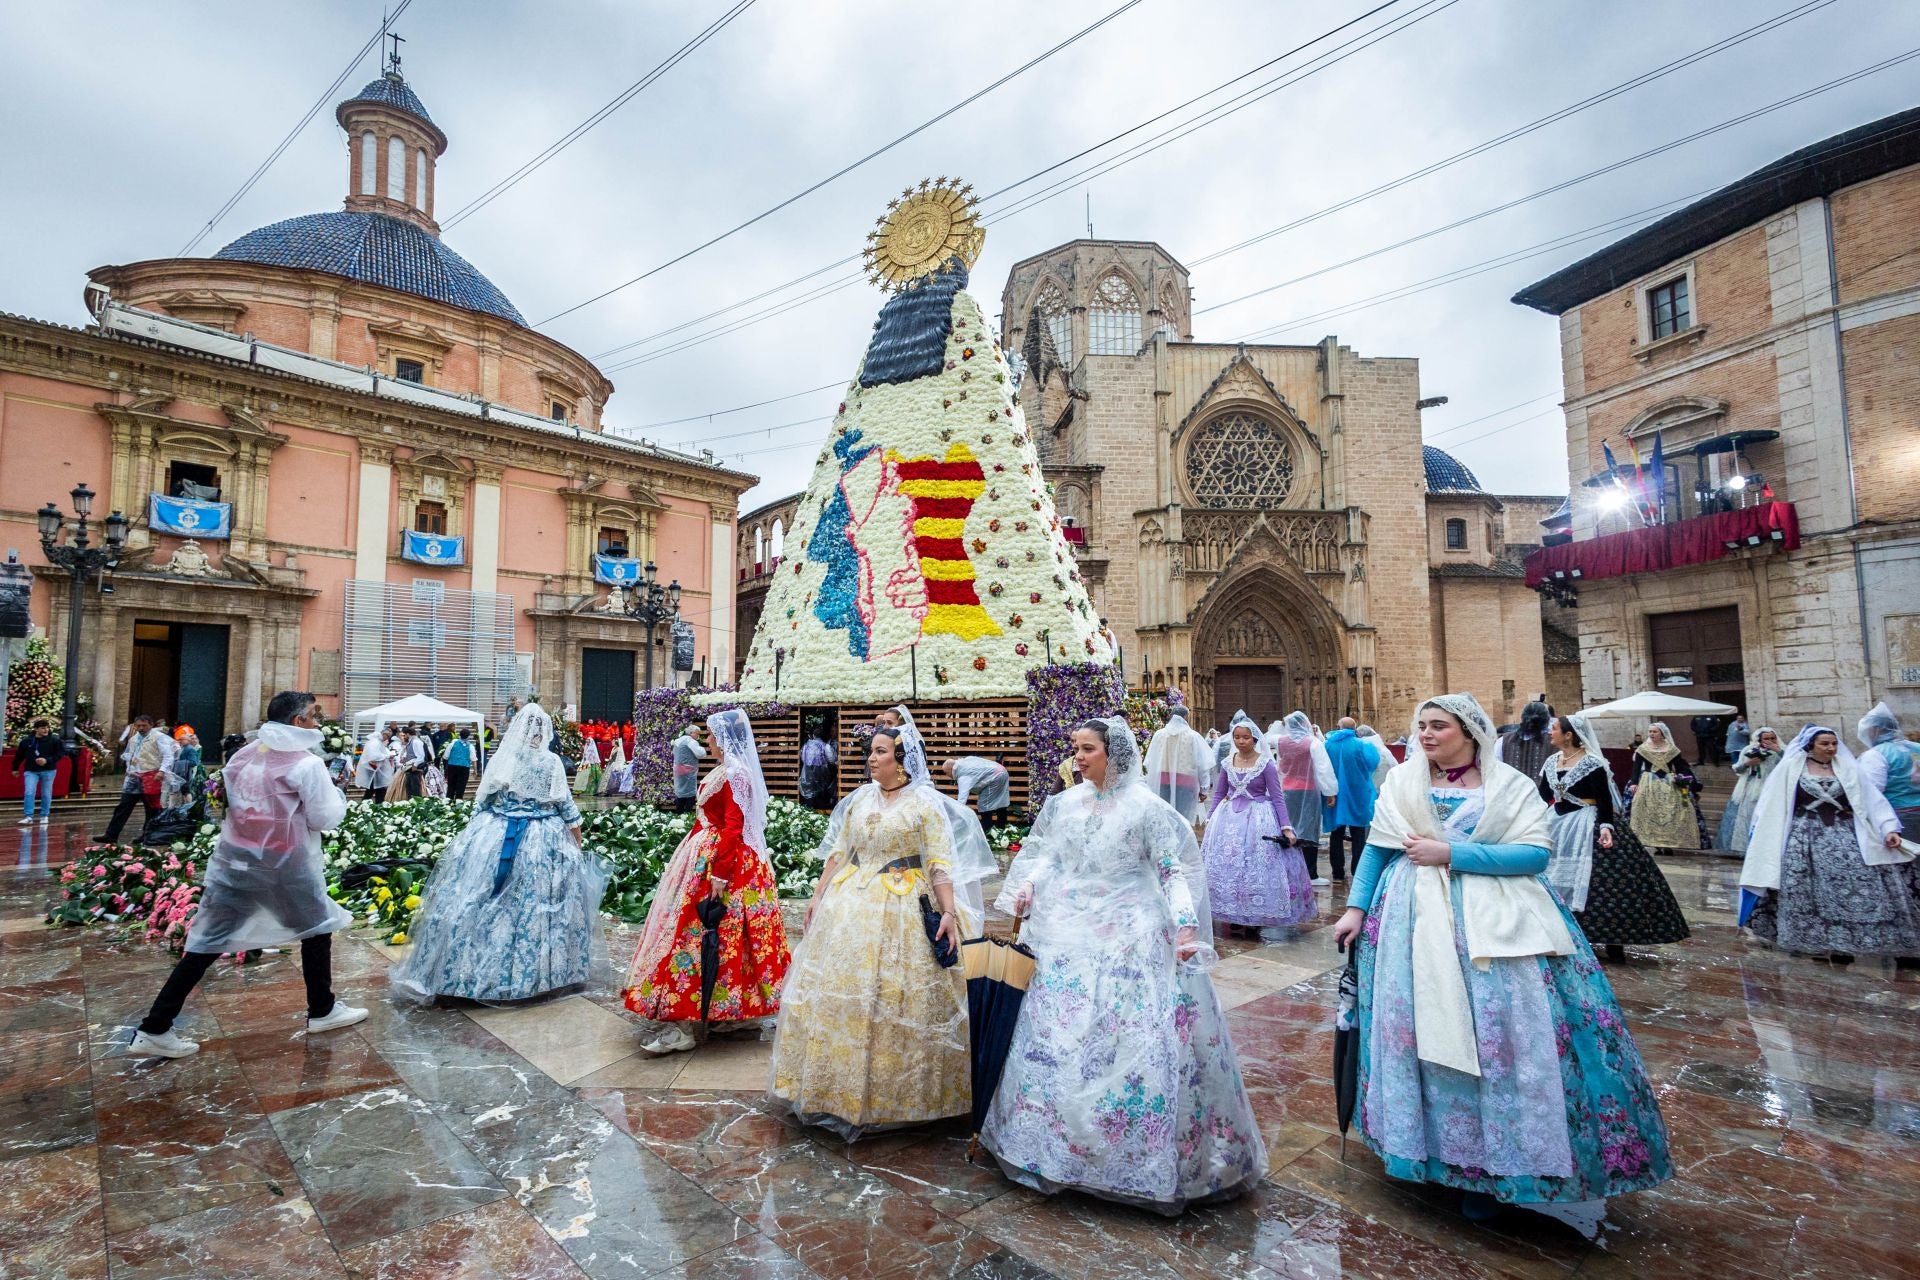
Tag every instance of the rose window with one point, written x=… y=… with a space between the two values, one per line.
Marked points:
x=1240 y=460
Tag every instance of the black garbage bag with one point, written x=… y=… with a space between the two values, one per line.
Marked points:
x=170 y=826
x=357 y=875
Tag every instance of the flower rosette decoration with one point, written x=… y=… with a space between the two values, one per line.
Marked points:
x=926 y=523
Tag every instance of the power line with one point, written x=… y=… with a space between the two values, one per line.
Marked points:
x=294 y=132
x=846 y=169
x=1605 y=95
x=580 y=130
x=1021 y=206
x=1222 y=110
x=720 y=413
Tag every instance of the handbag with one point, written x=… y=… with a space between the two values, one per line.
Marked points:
x=944 y=952
x=150 y=783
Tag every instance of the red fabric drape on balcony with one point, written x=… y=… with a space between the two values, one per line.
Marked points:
x=1667 y=546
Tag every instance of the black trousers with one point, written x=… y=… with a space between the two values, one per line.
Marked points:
x=457 y=781
x=376 y=795
x=1343 y=840
x=124 y=810
x=683 y=804
x=991 y=818
x=316 y=966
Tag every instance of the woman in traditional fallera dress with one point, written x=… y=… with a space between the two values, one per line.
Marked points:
x=1752 y=766
x=1600 y=870
x=873 y=1031
x=1121 y=1081
x=1825 y=872
x=512 y=911
x=1666 y=811
x=1506 y=1070
x=1252 y=879
x=724 y=858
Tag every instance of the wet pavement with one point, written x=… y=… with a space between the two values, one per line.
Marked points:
x=538 y=1142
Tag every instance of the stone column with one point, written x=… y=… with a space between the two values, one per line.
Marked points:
x=720 y=613
x=252 y=696
x=483 y=533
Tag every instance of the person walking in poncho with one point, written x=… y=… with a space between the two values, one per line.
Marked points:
x=265 y=883
x=1612 y=885
x=1892 y=764
x=1122 y=1081
x=1306 y=781
x=512 y=910
x=1493 y=1054
x=1180 y=764
x=724 y=859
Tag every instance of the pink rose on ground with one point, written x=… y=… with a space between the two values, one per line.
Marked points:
x=100 y=870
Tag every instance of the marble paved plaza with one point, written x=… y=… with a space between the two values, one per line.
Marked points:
x=537 y=1143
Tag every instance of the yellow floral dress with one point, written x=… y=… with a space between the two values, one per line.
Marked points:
x=873 y=1032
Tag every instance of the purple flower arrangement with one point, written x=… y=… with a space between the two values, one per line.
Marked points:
x=1060 y=699
x=659 y=715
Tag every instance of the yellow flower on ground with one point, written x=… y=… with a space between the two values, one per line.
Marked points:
x=412 y=903
x=398 y=939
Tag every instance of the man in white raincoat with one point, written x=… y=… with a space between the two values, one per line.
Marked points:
x=264 y=882
x=1180 y=764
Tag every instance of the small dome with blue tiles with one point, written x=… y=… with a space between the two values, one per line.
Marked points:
x=1447 y=474
x=390 y=90
x=377 y=249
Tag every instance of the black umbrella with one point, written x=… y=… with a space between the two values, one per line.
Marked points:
x=711 y=912
x=1346 y=1045
x=997 y=976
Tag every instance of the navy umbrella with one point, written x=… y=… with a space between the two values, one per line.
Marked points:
x=997 y=976
x=711 y=912
x=1346 y=1045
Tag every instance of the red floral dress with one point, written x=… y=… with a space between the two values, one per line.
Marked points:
x=753 y=940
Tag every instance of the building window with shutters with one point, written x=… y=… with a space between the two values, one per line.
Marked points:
x=1456 y=535
x=430 y=517
x=613 y=542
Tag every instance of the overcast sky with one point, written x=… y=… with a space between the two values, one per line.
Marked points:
x=129 y=124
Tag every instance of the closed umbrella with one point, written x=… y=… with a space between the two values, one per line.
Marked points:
x=997 y=976
x=711 y=912
x=1346 y=1045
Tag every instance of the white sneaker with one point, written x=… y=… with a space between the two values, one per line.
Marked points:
x=164 y=1045
x=24 y=822
x=43 y=822
x=343 y=1015
x=675 y=1039
x=1320 y=880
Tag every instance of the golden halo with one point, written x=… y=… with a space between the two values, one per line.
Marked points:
x=920 y=231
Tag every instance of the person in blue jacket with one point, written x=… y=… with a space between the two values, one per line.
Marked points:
x=1507 y=1069
x=1350 y=812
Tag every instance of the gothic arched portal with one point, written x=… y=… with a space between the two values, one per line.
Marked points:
x=1266 y=641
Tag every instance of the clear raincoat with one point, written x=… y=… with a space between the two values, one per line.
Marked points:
x=265 y=884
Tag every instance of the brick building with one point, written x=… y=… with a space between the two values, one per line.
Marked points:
x=395 y=485
x=1768 y=336
x=1262 y=524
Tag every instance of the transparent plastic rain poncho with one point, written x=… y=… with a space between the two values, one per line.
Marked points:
x=1224 y=746
x=972 y=857
x=265 y=882
x=1112 y=861
x=1180 y=765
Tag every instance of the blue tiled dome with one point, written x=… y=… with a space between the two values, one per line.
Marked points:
x=382 y=250
x=1447 y=474
x=392 y=91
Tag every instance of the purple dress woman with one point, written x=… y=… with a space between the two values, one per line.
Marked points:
x=1251 y=878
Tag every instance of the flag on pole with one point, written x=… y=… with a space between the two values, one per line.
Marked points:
x=1659 y=478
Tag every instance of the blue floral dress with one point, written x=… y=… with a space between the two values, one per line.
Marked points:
x=1562 y=1112
x=512 y=911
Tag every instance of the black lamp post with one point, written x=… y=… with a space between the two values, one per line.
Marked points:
x=80 y=560
x=652 y=605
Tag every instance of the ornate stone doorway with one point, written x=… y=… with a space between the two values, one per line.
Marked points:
x=1264 y=635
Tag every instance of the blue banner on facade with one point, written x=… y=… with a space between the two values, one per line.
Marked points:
x=433 y=548
x=616 y=571
x=186 y=518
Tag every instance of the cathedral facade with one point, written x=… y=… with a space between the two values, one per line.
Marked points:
x=1262 y=525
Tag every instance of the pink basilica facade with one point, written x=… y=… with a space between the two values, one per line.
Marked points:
x=352 y=467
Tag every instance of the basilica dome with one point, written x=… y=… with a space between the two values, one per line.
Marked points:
x=1447 y=474
x=374 y=248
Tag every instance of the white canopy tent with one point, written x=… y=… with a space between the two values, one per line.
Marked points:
x=1654 y=705
x=420 y=708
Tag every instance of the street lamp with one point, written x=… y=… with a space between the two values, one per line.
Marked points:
x=653 y=605
x=80 y=560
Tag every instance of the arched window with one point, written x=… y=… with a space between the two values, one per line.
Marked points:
x=1456 y=535
x=369 y=158
x=396 y=169
x=759 y=546
x=1113 y=322
x=777 y=545
x=1057 y=316
x=420 y=180
x=1240 y=460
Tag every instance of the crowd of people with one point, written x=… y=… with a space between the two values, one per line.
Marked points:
x=1487 y=868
